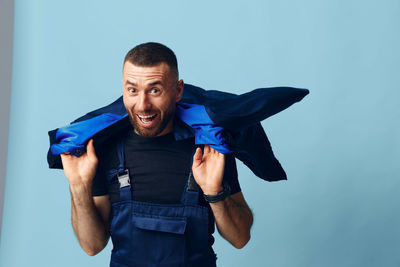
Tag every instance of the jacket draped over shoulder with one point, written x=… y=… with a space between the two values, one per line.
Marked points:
x=228 y=122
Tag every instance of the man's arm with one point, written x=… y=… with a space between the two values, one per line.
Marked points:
x=89 y=215
x=232 y=215
x=234 y=219
x=90 y=219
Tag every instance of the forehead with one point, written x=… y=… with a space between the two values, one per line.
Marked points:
x=134 y=72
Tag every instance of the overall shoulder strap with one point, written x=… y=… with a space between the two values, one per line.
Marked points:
x=123 y=173
x=190 y=195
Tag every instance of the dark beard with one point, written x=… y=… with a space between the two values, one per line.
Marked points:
x=152 y=132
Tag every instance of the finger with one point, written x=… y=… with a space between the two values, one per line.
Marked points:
x=90 y=149
x=65 y=155
x=216 y=152
x=207 y=149
x=65 y=159
x=197 y=157
x=212 y=150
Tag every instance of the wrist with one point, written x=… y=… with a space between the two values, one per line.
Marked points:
x=220 y=195
x=81 y=187
x=213 y=191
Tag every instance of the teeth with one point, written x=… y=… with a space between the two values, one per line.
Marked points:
x=146 y=117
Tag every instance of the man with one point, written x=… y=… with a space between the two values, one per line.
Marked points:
x=133 y=189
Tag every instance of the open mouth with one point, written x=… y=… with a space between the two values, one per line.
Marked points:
x=147 y=119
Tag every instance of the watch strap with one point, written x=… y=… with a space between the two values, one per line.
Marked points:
x=220 y=196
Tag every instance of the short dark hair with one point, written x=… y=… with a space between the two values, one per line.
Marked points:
x=151 y=54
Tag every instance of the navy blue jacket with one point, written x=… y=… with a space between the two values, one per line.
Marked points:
x=228 y=122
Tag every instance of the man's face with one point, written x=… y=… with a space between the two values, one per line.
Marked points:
x=149 y=95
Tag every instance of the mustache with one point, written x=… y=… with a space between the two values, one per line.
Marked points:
x=146 y=113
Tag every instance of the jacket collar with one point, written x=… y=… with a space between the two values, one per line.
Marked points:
x=181 y=129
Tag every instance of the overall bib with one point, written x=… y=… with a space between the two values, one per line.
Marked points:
x=158 y=235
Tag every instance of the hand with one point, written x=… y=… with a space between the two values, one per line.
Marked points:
x=208 y=169
x=80 y=169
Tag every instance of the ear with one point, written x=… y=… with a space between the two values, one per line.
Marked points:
x=179 y=90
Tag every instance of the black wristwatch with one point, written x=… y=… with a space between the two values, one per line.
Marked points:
x=220 y=196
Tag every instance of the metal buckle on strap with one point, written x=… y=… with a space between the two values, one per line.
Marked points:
x=123 y=179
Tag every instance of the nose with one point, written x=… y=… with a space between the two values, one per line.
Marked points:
x=143 y=103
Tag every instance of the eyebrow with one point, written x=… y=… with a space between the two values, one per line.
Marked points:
x=151 y=84
x=131 y=83
x=155 y=83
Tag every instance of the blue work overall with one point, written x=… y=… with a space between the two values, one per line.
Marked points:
x=158 y=235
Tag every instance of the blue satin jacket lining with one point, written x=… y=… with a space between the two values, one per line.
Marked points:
x=73 y=138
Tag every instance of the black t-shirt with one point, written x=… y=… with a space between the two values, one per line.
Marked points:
x=158 y=167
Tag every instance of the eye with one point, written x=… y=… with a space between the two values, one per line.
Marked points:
x=131 y=90
x=155 y=90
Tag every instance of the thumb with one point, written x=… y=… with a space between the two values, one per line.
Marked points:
x=90 y=149
x=197 y=157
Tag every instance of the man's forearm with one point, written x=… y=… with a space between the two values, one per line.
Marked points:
x=233 y=220
x=89 y=227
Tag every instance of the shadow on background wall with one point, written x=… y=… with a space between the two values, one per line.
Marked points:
x=6 y=38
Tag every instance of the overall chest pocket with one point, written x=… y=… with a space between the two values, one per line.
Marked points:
x=158 y=239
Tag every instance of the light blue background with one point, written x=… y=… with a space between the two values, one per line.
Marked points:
x=340 y=146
